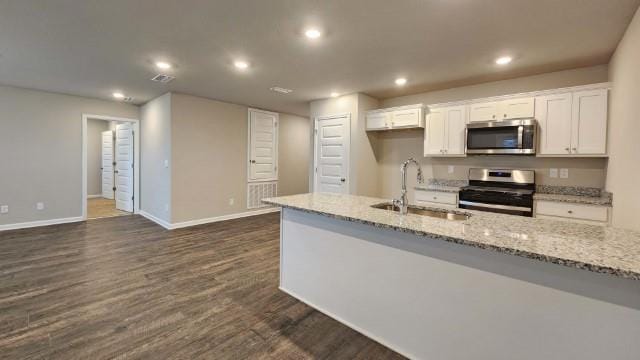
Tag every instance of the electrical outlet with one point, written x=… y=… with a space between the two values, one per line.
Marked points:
x=166 y=163
x=166 y=207
x=40 y=206
x=451 y=169
x=553 y=173
x=4 y=209
x=564 y=173
x=232 y=201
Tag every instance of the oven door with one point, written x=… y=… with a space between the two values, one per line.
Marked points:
x=501 y=137
x=513 y=204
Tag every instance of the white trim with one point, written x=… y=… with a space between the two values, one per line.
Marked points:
x=94 y=196
x=396 y=108
x=604 y=85
x=224 y=217
x=277 y=131
x=38 y=223
x=184 y=224
x=156 y=220
x=346 y=323
x=136 y=159
x=315 y=149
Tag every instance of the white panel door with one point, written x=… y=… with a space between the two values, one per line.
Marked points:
x=486 y=111
x=106 y=165
x=589 y=123
x=332 y=154
x=553 y=113
x=456 y=123
x=263 y=146
x=434 y=132
x=124 y=167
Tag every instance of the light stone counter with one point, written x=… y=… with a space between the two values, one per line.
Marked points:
x=601 y=249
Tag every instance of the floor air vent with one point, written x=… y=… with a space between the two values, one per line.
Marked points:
x=256 y=191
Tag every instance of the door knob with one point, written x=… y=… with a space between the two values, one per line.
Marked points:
x=252 y=161
x=343 y=180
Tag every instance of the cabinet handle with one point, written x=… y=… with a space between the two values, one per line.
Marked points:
x=505 y=115
x=575 y=150
x=570 y=211
x=435 y=198
x=493 y=116
x=567 y=149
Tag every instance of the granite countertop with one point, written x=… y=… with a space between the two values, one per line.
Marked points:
x=573 y=194
x=601 y=249
x=443 y=185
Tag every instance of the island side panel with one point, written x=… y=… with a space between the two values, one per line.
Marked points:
x=431 y=299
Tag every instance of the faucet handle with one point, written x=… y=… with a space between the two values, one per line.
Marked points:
x=396 y=203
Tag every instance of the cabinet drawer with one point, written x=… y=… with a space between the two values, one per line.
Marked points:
x=437 y=197
x=573 y=211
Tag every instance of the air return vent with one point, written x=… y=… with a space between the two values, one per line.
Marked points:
x=256 y=191
x=163 y=78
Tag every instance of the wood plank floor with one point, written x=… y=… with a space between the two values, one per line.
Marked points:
x=125 y=288
x=100 y=208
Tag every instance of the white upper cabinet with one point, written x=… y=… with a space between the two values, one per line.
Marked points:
x=379 y=121
x=516 y=108
x=553 y=113
x=445 y=131
x=486 y=111
x=573 y=124
x=404 y=117
x=589 y=122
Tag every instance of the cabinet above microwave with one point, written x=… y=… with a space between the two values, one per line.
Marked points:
x=516 y=108
x=403 y=117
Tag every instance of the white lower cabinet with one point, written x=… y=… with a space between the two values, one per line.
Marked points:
x=436 y=199
x=596 y=214
x=445 y=131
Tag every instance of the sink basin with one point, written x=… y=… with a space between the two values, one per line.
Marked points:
x=441 y=214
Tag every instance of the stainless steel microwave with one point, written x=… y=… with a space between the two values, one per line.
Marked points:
x=513 y=137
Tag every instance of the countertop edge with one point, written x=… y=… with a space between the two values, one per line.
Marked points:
x=526 y=254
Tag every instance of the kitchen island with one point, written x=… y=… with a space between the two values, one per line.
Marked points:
x=488 y=287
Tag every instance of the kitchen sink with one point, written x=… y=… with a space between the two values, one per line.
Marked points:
x=417 y=210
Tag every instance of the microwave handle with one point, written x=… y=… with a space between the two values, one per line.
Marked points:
x=520 y=136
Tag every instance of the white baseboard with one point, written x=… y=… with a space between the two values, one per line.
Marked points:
x=94 y=196
x=156 y=220
x=184 y=224
x=224 y=217
x=32 y=224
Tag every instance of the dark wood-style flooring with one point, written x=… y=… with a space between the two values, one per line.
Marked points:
x=125 y=288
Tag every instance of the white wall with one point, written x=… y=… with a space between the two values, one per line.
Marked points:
x=155 y=149
x=624 y=128
x=41 y=152
x=94 y=155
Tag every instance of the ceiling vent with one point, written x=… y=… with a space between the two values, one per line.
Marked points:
x=163 y=78
x=280 y=90
x=127 y=99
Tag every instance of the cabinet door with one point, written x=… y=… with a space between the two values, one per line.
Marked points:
x=406 y=118
x=434 y=133
x=455 y=125
x=516 y=108
x=378 y=121
x=589 y=122
x=483 y=111
x=554 y=119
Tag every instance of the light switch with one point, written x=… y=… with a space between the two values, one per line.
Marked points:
x=40 y=206
x=166 y=163
x=451 y=169
x=553 y=173
x=564 y=173
x=4 y=209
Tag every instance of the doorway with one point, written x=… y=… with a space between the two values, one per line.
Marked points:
x=331 y=153
x=110 y=166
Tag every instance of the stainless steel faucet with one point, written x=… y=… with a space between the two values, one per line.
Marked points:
x=403 y=202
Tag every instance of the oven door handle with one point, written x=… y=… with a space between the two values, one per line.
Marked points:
x=495 y=206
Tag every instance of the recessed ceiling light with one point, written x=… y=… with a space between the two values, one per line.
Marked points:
x=504 y=60
x=334 y=94
x=118 y=95
x=312 y=33
x=241 y=64
x=163 y=65
x=401 y=81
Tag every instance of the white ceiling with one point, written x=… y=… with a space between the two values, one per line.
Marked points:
x=93 y=47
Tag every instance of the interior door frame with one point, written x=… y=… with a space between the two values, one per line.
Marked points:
x=316 y=121
x=136 y=158
x=276 y=145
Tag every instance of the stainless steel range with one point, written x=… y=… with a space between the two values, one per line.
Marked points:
x=500 y=191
